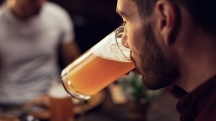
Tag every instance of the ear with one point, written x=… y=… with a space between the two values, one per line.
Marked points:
x=167 y=23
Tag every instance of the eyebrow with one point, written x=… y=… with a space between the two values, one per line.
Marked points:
x=121 y=13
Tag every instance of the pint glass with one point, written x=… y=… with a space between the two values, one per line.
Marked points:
x=61 y=105
x=101 y=65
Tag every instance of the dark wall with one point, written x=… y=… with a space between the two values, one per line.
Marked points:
x=1 y=1
x=93 y=19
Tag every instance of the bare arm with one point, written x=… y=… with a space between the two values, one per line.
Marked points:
x=69 y=52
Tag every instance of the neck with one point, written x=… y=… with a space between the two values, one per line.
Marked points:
x=198 y=62
x=12 y=4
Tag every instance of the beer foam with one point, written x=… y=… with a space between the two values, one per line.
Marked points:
x=57 y=91
x=111 y=49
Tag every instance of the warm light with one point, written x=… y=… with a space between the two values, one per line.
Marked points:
x=69 y=82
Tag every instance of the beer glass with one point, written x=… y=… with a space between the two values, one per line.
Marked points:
x=101 y=65
x=61 y=105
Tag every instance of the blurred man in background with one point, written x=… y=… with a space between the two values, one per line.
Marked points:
x=173 y=42
x=31 y=33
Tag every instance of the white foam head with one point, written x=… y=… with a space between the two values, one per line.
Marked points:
x=111 y=49
x=57 y=91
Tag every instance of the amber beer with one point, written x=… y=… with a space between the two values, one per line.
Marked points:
x=95 y=73
x=97 y=68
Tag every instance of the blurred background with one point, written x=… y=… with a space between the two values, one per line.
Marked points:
x=93 y=20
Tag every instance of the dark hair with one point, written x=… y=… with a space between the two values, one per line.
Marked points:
x=201 y=11
x=145 y=7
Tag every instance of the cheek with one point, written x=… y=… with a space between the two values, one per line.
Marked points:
x=135 y=41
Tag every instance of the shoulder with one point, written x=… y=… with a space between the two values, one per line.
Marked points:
x=209 y=112
x=3 y=12
x=200 y=104
x=2 y=9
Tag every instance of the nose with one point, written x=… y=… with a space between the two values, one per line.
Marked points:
x=124 y=41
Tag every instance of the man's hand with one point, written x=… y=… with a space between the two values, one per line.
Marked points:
x=40 y=101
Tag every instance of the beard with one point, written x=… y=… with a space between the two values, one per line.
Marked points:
x=31 y=12
x=156 y=71
x=35 y=12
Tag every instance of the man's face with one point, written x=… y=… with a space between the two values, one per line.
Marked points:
x=145 y=52
x=30 y=7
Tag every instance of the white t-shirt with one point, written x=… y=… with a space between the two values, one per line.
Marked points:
x=28 y=52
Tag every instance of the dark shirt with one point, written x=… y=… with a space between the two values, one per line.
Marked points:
x=200 y=104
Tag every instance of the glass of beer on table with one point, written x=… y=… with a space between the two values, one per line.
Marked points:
x=101 y=65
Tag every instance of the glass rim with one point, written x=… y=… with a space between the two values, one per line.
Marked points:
x=118 y=35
